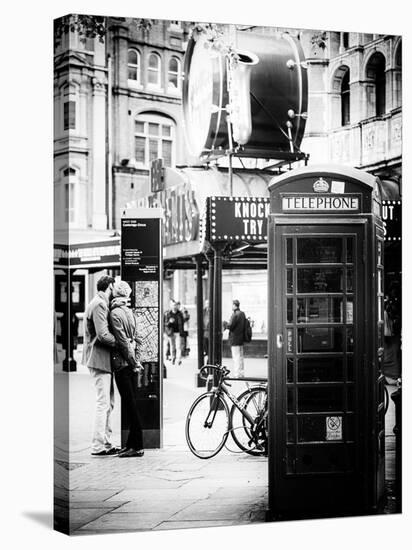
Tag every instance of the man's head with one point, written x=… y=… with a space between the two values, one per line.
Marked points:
x=175 y=306
x=105 y=284
x=236 y=305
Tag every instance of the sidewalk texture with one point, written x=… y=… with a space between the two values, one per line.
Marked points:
x=169 y=488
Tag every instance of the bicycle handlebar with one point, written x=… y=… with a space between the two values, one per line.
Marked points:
x=220 y=368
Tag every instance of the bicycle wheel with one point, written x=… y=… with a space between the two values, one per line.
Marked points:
x=254 y=401
x=207 y=425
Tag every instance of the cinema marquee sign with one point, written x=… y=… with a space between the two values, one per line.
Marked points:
x=237 y=219
x=321 y=202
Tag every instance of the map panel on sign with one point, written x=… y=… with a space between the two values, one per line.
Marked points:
x=146 y=294
x=148 y=331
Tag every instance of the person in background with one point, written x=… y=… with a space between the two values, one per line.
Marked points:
x=174 y=331
x=236 y=327
x=98 y=342
x=186 y=317
x=392 y=333
x=126 y=365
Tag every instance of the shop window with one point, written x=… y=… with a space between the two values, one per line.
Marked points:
x=174 y=76
x=69 y=115
x=153 y=138
x=133 y=67
x=345 y=99
x=154 y=70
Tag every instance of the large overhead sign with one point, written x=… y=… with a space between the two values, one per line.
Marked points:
x=258 y=89
x=237 y=219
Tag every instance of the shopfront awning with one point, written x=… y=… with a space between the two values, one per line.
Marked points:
x=90 y=254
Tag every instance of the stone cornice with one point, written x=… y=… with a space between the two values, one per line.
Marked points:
x=161 y=98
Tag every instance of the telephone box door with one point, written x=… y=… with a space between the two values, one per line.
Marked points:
x=319 y=349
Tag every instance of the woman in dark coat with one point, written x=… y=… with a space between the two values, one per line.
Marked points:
x=125 y=365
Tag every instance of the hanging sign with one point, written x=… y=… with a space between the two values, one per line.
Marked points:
x=321 y=202
x=237 y=218
x=392 y=219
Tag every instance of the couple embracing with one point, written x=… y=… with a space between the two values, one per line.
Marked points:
x=109 y=349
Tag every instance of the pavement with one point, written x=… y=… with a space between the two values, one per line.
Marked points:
x=169 y=488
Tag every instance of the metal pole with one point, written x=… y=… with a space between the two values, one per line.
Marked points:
x=199 y=312
x=217 y=305
x=210 y=257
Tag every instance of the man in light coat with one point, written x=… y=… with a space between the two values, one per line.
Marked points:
x=98 y=342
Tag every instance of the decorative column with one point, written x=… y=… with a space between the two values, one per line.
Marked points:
x=98 y=154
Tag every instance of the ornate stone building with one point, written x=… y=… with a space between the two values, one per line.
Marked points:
x=118 y=107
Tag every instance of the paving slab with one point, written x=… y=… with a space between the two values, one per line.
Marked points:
x=126 y=522
x=83 y=516
x=198 y=524
x=152 y=506
x=91 y=496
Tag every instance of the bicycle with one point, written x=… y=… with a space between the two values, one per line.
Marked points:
x=209 y=420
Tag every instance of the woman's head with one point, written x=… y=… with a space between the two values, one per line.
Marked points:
x=121 y=289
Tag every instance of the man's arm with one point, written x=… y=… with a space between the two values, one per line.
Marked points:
x=123 y=343
x=101 y=326
x=231 y=325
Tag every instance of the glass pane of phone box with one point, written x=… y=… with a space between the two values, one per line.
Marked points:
x=316 y=250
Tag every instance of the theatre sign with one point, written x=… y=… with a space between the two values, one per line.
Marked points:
x=237 y=219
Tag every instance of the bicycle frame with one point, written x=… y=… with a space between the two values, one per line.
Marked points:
x=222 y=388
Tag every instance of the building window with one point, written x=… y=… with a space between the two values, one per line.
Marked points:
x=69 y=198
x=174 y=75
x=154 y=70
x=86 y=44
x=133 y=66
x=377 y=83
x=153 y=138
x=69 y=115
x=345 y=40
x=398 y=77
x=345 y=100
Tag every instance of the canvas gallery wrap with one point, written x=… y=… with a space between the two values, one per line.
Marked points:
x=227 y=257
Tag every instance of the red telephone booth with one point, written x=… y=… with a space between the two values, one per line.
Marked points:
x=326 y=411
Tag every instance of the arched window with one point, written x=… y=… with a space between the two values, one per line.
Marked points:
x=154 y=70
x=345 y=99
x=397 y=100
x=174 y=75
x=133 y=66
x=70 y=181
x=153 y=138
x=376 y=76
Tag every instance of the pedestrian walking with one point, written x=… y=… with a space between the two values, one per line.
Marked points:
x=97 y=343
x=174 y=331
x=236 y=327
x=125 y=365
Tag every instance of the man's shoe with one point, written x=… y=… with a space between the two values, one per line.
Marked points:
x=131 y=453
x=101 y=453
x=113 y=451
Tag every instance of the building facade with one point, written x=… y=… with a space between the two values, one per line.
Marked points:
x=118 y=106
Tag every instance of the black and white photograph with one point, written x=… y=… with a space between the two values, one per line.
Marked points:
x=205 y=285
x=227 y=329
